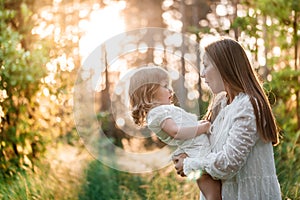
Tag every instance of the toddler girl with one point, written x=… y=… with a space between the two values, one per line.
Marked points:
x=151 y=102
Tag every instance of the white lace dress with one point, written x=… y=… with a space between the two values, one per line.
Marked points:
x=196 y=147
x=243 y=162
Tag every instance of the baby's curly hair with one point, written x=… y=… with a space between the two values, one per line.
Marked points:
x=144 y=83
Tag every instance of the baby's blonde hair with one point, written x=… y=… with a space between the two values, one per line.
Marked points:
x=144 y=83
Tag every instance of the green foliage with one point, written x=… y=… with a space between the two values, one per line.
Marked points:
x=106 y=183
x=287 y=164
x=20 y=76
x=248 y=24
x=285 y=86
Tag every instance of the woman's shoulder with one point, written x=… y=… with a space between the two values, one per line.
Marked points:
x=242 y=98
x=242 y=102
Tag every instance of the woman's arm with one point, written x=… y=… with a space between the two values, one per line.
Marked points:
x=183 y=133
x=241 y=138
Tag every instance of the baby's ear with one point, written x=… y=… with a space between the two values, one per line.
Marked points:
x=175 y=100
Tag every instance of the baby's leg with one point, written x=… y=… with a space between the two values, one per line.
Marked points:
x=210 y=188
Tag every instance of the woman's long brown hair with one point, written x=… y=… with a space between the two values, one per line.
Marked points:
x=238 y=76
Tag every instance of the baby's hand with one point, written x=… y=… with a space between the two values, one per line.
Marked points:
x=204 y=124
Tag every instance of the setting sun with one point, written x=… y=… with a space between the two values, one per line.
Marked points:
x=102 y=24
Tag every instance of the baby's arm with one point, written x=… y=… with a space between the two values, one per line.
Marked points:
x=183 y=133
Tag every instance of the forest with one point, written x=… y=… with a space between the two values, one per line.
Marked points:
x=65 y=127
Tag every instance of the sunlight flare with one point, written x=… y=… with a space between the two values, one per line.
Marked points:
x=103 y=24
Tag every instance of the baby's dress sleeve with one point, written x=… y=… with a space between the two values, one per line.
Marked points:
x=155 y=118
x=242 y=136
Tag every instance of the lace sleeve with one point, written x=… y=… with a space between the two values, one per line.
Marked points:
x=241 y=137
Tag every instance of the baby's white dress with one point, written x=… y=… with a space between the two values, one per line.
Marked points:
x=243 y=162
x=196 y=147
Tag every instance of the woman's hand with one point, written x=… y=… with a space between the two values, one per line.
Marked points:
x=178 y=162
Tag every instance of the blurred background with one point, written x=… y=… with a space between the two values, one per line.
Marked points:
x=44 y=45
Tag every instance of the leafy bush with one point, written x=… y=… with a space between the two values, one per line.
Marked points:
x=284 y=86
x=106 y=183
x=20 y=75
x=287 y=164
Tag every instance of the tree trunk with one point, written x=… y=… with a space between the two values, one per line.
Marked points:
x=105 y=97
x=296 y=52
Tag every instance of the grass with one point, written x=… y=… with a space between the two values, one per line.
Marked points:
x=43 y=184
x=58 y=176
x=57 y=179
x=106 y=183
x=72 y=174
x=287 y=165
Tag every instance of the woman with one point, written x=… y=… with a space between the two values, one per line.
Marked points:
x=243 y=132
